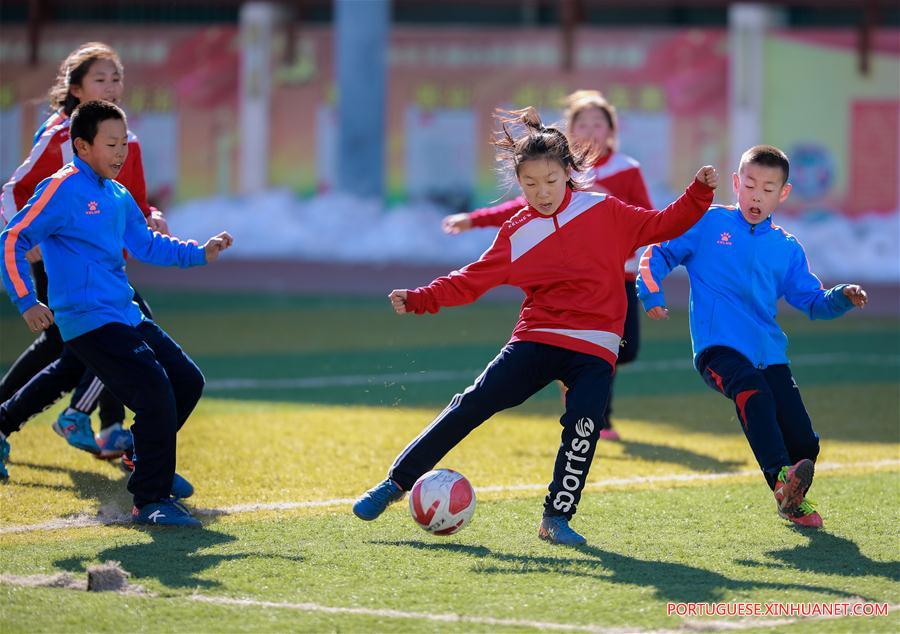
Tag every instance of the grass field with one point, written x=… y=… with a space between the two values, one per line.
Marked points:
x=309 y=399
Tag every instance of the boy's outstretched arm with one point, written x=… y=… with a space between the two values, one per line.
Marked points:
x=657 y=262
x=857 y=295
x=804 y=291
x=154 y=248
x=215 y=245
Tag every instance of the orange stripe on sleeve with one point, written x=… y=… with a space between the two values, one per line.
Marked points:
x=9 y=249
x=644 y=269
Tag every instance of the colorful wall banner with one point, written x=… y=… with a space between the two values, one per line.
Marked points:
x=670 y=86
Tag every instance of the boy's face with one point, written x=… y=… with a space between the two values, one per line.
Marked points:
x=102 y=82
x=543 y=181
x=759 y=190
x=108 y=151
x=592 y=127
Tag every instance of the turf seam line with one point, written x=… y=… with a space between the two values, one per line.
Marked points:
x=85 y=521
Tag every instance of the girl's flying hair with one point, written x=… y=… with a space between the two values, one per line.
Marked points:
x=523 y=137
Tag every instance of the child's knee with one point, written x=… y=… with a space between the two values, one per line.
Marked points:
x=195 y=382
x=155 y=392
x=585 y=424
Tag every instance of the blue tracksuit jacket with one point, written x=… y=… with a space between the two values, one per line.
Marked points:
x=738 y=272
x=82 y=223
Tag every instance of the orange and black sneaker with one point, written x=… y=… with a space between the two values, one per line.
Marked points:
x=804 y=515
x=792 y=485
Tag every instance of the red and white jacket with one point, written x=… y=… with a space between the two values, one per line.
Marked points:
x=615 y=173
x=570 y=265
x=51 y=150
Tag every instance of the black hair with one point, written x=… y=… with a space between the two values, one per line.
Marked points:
x=534 y=140
x=767 y=156
x=87 y=117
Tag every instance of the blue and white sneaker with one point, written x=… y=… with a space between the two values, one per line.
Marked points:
x=181 y=488
x=372 y=503
x=164 y=513
x=75 y=427
x=4 y=456
x=556 y=529
x=114 y=441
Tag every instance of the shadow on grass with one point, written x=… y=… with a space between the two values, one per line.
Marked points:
x=177 y=558
x=677 y=455
x=107 y=489
x=830 y=555
x=670 y=581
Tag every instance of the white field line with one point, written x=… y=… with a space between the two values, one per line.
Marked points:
x=436 y=376
x=687 y=626
x=106 y=518
x=418 y=616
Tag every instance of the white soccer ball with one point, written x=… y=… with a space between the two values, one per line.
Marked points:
x=442 y=502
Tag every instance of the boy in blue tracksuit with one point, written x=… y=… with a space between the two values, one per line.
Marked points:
x=740 y=264
x=83 y=219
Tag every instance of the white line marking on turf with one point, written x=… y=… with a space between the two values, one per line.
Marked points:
x=436 y=376
x=106 y=518
x=420 y=616
x=68 y=581
x=688 y=625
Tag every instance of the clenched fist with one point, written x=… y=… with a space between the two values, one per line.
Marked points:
x=708 y=176
x=398 y=301
x=215 y=245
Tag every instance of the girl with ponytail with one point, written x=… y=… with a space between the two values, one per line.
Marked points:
x=566 y=249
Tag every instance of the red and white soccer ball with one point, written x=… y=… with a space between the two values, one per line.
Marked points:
x=442 y=502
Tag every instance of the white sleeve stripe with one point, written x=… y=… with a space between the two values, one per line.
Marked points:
x=7 y=199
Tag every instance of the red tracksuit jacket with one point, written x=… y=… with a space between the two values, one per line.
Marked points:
x=570 y=266
x=53 y=149
x=616 y=173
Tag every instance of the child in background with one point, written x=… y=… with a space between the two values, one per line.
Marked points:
x=590 y=121
x=90 y=72
x=566 y=249
x=84 y=219
x=740 y=264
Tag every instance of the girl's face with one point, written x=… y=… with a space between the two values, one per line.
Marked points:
x=543 y=181
x=101 y=82
x=592 y=127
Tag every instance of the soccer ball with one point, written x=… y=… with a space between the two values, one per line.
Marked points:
x=442 y=502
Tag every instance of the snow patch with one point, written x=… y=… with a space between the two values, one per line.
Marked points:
x=341 y=228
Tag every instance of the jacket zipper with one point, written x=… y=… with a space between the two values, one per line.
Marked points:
x=753 y=234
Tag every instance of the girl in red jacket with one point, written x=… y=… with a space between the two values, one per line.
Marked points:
x=93 y=71
x=566 y=249
x=590 y=120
